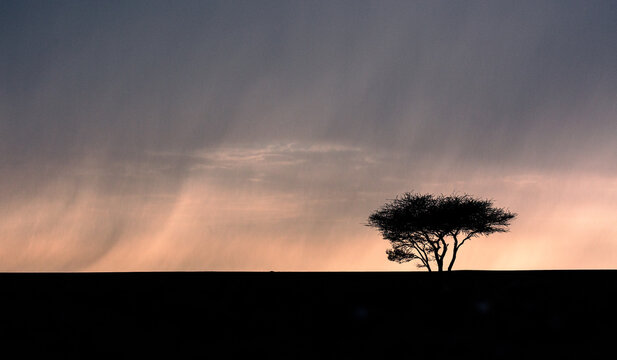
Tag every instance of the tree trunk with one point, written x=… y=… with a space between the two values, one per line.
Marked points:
x=453 y=258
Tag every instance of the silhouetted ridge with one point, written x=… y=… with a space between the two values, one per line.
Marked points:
x=341 y=315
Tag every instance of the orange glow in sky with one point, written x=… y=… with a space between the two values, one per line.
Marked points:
x=565 y=221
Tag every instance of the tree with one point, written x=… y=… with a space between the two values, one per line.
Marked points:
x=424 y=227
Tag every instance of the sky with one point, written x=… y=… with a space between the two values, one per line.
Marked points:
x=260 y=135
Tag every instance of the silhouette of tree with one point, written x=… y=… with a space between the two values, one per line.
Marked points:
x=424 y=227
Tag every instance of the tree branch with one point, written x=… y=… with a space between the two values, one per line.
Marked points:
x=469 y=236
x=435 y=245
x=421 y=252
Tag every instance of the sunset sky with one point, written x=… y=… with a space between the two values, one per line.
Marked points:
x=259 y=135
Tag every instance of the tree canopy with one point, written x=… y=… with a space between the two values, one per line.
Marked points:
x=424 y=226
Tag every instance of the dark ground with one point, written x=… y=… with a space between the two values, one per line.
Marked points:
x=554 y=314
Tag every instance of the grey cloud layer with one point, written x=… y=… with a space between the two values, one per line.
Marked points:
x=125 y=78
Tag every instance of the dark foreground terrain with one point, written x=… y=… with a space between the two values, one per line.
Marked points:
x=322 y=315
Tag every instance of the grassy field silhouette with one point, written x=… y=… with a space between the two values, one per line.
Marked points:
x=341 y=315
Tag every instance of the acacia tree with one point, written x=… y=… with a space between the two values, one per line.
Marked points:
x=424 y=227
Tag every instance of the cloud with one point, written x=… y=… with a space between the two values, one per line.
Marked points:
x=242 y=135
